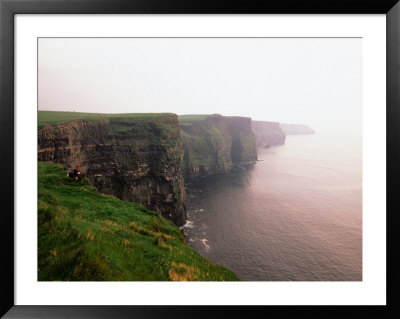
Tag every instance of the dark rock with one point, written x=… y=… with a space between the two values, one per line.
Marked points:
x=216 y=143
x=134 y=159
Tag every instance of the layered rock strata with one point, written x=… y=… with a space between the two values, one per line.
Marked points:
x=137 y=159
x=216 y=144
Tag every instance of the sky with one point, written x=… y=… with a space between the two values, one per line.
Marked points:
x=312 y=81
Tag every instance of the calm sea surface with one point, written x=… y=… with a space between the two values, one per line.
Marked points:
x=296 y=214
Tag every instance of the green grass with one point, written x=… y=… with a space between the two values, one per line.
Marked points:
x=193 y=117
x=87 y=236
x=55 y=117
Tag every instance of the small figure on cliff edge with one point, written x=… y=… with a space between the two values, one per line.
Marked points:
x=76 y=173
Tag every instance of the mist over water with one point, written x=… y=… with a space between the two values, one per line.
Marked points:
x=296 y=214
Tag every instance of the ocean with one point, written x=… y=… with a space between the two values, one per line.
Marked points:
x=294 y=215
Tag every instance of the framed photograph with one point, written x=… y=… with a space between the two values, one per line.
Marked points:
x=195 y=159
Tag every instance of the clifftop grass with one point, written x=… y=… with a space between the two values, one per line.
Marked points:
x=56 y=117
x=194 y=117
x=87 y=236
x=189 y=119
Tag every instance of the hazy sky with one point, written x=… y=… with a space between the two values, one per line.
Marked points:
x=310 y=81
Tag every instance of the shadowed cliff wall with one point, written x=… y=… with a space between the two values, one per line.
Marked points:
x=215 y=143
x=135 y=159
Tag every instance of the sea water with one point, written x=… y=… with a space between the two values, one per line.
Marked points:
x=294 y=215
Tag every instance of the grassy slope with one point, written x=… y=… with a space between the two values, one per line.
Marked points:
x=54 y=117
x=84 y=235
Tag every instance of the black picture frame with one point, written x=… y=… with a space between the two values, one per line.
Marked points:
x=8 y=8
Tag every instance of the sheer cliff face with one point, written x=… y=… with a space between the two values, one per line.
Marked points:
x=268 y=133
x=296 y=129
x=244 y=148
x=134 y=159
x=215 y=144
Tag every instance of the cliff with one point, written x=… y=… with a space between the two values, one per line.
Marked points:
x=135 y=157
x=268 y=133
x=215 y=143
x=296 y=129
